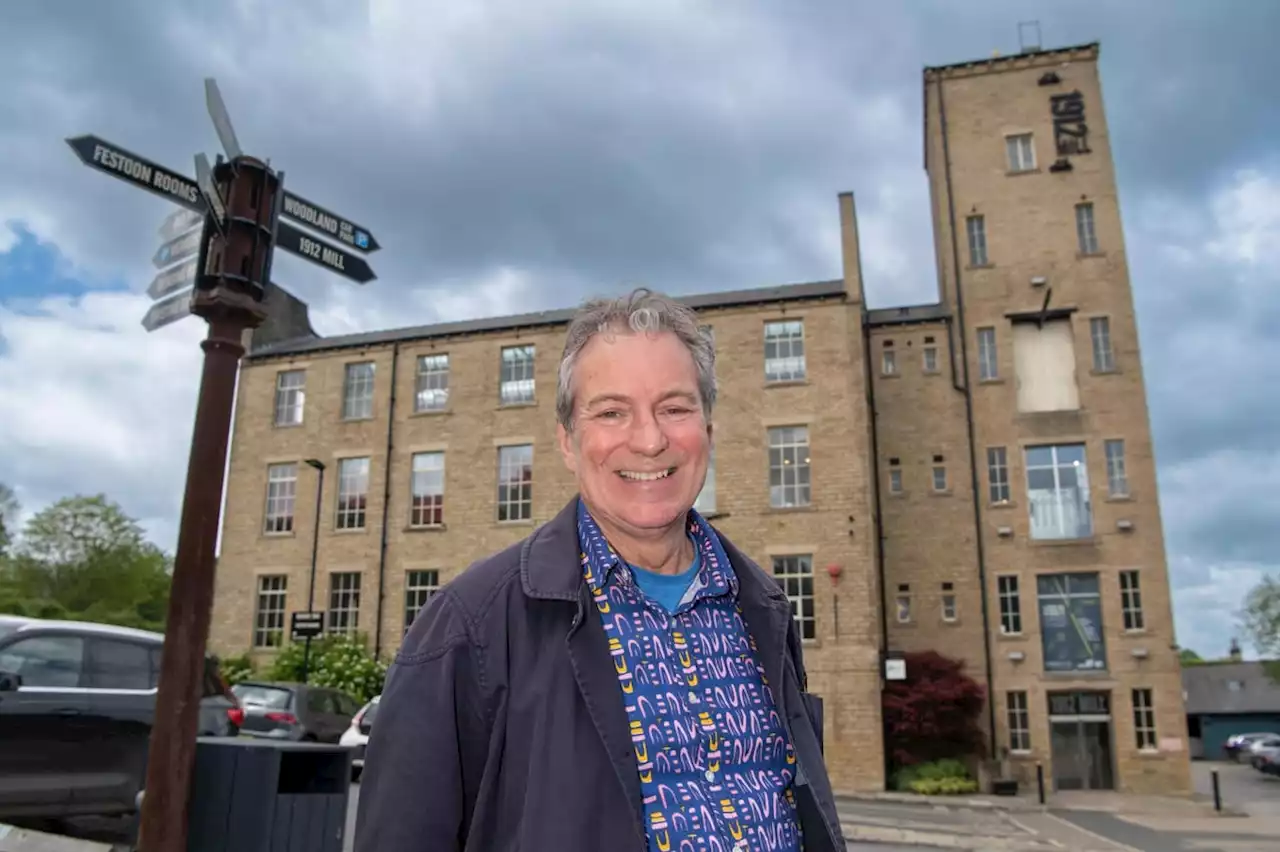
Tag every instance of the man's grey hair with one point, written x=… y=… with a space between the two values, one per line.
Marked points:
x=640 y=311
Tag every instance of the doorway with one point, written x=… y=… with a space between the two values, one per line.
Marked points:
x=1080 y=735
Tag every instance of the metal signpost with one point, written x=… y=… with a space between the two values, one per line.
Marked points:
x=240 y=201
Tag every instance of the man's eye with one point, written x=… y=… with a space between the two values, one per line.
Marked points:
x=611 y=414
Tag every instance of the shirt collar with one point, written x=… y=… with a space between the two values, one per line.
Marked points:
x=599 y=559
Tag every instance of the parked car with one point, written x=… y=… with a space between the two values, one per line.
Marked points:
x=294 y=711
x=77 y=702
x=1236 y=748
x=1264 y=755
x=356 y=737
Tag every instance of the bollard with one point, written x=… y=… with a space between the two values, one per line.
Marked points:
x=1217 y=792
x=1040 y=781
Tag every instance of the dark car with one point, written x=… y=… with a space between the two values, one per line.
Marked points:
x=77 y=702
x=294 y=711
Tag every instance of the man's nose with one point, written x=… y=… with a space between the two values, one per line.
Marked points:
x=647 y=435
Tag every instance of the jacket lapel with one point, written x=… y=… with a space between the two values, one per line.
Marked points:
x=550 y=570
x=598 y=683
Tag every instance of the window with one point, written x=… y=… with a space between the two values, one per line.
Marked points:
x=1144 y=719
x=795 y=575
x=903 y=603
x=1019 y=721
x=427 y=497
x=516 y=379
x=344 y=602
x=1100 y=335
x=784 y=351
x=419 y=586
x=1045 y=365
x=48 y=661
x=1021 y=153
x=515 y=482
x=1131 y=601
x=998 y=475
x=706 y=502
x=888 y=361
x=115 y=664
x=282 y=487
x=431 y=386
x=977 y=229
x=1117 y=478
x=353 y=493
x=895 y=477
x=1085 y=232
x=357 y=391
x=949 y=610
x=291 y=397
x=1010 y=605
x=929 y=356
x=268 y=614
x=1071 y=623
x=988 y=364
x=788 y=467
x=939 y=474
x=1058 y=492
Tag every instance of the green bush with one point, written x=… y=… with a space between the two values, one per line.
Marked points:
x=939 y=777
x=340 y=662
x=943 y=786
x=236 y=669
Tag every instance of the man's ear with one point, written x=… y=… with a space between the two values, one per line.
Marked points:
x=565 y=439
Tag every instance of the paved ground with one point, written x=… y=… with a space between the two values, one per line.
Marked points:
x=854 y=847
x=1243 y=788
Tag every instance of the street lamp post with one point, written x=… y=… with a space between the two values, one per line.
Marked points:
x=315 y=547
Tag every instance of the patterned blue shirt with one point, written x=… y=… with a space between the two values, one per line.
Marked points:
x=715 y=764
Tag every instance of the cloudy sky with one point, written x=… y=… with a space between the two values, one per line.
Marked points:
x=519 y=154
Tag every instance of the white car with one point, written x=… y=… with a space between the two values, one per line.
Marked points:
x=356 y=736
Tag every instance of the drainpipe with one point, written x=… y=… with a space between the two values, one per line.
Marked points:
x=876 y=507
x=386 y=503
x=968 y=414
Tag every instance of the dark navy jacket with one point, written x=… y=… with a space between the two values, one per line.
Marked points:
x=502 y=726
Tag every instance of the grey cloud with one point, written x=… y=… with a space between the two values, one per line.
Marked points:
x=564 y=148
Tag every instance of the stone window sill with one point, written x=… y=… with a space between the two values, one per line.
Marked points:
x=426 y=528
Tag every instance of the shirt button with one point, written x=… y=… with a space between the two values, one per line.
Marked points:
x=693 y=697
x=709 y=775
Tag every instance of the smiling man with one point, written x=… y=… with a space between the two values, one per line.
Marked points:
x=623 y=679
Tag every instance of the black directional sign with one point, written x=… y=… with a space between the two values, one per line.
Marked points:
x=139 y=171
x=178 y=248
x=321 y=253
x=306 y=625
x=343 y=230
x=172 y=280
x=170 y=310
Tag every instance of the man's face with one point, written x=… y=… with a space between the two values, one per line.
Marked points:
x=640 y=443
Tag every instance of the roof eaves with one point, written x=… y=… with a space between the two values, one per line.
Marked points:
x=701 y=301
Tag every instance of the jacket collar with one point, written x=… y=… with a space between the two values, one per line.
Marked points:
x=551 y=565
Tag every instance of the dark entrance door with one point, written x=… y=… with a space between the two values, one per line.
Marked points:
x=1080 y=733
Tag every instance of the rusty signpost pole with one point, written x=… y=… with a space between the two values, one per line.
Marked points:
x=243 y=204
x=235 y=261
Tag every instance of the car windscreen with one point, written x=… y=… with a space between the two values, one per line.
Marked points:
x=369 y=714
x=259 y=695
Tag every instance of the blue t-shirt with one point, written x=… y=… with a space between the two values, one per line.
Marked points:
x=667 y=590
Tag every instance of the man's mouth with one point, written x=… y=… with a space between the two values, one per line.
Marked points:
x=646 y=475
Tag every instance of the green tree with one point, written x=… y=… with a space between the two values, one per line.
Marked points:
x=1260 y=619
x=8 y=517
x=1189 y=657
x=72 y=529
x=84 y=558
